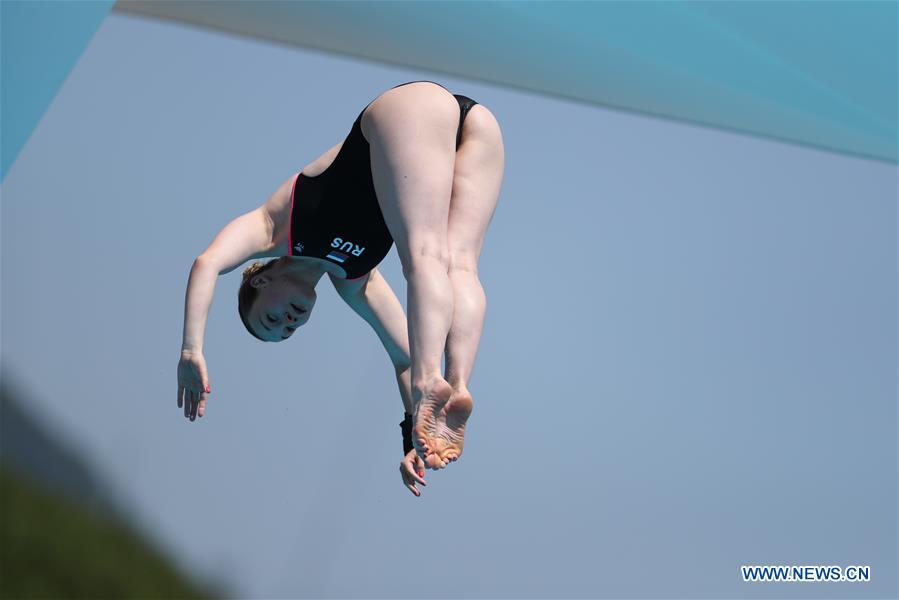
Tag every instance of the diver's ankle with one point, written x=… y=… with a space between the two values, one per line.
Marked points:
x=458 y=384
x=426 y=381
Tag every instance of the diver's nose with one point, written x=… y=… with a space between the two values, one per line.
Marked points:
x=294 y=315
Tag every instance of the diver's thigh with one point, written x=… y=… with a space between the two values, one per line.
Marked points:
x=477 y=179
x=412 y=148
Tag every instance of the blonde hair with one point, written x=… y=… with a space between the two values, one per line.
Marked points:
x=253 y=269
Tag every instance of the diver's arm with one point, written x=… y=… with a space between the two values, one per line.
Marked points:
x=373 y=300
x=249 y=236
x=246 y=237
x=197 y=300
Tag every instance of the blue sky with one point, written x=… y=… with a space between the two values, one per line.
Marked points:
x=689 y=360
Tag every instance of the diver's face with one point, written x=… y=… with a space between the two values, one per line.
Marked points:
x=283 y=305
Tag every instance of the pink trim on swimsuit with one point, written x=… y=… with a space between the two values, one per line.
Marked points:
x=290 y=223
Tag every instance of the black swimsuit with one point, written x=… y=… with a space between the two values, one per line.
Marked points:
x=335 y=215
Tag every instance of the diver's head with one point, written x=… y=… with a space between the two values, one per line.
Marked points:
x=273 y=300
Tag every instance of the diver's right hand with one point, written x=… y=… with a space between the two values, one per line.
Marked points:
x=412 y=469
x=193 y=384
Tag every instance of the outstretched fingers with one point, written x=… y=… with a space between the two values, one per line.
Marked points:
x=192 y=402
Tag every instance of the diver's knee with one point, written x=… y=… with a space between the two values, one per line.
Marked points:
x=429 y=255
x=463 y=261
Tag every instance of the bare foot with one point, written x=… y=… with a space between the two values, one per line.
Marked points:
x=440 y=418
x=434 y=397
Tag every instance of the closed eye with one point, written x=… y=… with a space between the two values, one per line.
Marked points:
x=297 y=308
x=270 y=319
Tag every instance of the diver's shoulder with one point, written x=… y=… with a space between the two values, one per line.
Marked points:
x=276 y=211
x=321 y=164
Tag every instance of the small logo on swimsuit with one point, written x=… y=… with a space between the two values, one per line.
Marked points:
x=337 y=256
x=298 y=247
x=347 y=246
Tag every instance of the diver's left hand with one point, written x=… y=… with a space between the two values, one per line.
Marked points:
x=193 y=383
x=412 y=469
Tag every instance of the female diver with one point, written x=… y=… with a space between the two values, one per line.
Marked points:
x=421 y=167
